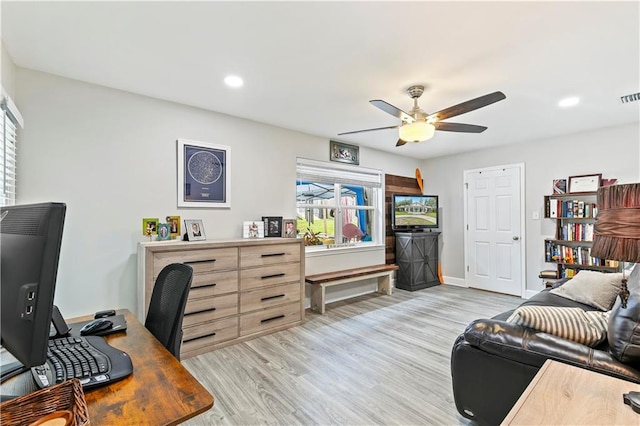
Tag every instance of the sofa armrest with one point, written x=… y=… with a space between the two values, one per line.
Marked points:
x=531 y=347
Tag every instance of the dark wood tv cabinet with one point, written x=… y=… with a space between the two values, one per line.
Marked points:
x=417 y=260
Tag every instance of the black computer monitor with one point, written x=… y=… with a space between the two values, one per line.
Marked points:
x=31 y=237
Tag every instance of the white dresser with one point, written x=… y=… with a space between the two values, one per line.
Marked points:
x=241 y=289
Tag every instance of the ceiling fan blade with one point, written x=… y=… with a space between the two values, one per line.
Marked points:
x=458 y=127
x=390 y=109
x=368 y=130
x=468 y=106
x=400 y=142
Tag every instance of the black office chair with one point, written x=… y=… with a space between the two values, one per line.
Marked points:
x=166 y=308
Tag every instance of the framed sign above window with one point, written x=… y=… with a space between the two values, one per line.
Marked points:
x=344 y=153
x=203 y=174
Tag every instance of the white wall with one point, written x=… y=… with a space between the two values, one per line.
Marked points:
x=111 y=156
x=8 y=71
x=614 y=152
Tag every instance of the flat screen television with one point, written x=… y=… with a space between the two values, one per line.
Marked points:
x=30 y=237
x=414 y=212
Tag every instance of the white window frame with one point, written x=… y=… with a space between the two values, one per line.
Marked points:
x=321 y=171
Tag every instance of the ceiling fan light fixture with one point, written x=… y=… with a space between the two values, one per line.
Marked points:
x=417 y=131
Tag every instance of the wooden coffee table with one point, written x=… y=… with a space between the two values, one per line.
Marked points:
x=561 y=394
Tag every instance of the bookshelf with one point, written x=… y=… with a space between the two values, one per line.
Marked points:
x=570 y=248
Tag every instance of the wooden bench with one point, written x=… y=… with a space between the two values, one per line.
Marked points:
x=320 y=281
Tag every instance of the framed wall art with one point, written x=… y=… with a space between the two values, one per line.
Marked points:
x=584 y=183
x=559 y=186
x=194 y=229
x=253 y=229
x=272 y=226
x=174 y=221
x=150 y=226
x=203 y=174
x=289 y=228
x=344 y=153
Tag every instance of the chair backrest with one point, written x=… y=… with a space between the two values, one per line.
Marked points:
x=166 y=308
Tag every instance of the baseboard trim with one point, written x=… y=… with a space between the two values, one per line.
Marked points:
x=459 y=282
x=530 y=293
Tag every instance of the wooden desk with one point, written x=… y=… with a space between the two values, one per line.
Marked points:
x=159 y=392
x=561 y=394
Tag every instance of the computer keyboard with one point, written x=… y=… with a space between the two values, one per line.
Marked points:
x=88 y=358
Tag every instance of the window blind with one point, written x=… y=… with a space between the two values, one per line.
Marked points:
x=308 y=171
x=8 y=153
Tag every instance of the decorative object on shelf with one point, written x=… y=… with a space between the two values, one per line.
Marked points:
x=253 y=229
x=203 y=174
x=272 y=226
x=150 y=226
x=608 y=182
x=584 y=183
x=419 y=180
x=617 y=230
x=194 y=230
x=289 y=228
x=164 y=231
x=559 y=186
x=174 y=221
x=311 y=239
x=344 y=153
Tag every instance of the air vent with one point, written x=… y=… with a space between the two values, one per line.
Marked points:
x=630 y=98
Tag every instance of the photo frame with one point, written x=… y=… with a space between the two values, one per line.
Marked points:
x=164 y=231
x=194 y=229
x=253 y=229
x=174 y=222
x=203 y=174
x=272 y=226
x=559 y=186
x=344 y=153
x=585 y=183
x=150 y=226
x=289 y=228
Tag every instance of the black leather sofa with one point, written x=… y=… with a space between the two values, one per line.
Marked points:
x=493 y=361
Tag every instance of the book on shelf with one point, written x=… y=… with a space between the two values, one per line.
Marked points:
x=549 y=273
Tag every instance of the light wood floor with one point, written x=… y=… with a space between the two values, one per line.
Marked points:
x=371 y=360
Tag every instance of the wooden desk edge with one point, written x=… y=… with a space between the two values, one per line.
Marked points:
x=527 y=392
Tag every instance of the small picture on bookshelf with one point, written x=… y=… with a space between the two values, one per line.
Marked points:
x=559 y=186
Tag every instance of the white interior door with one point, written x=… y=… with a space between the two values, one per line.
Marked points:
x=494 y=237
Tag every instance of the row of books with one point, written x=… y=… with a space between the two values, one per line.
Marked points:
x=576 y=232
x=570 y=208
x=572 y=255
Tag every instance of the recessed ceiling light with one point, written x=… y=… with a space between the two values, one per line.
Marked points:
x=569 y=102
x=233 y=81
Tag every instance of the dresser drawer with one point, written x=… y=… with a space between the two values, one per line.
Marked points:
x=269 y=275
x=209 y=333
x=212 y=283
x=219 y=306
x=201 y=260
x=269 y=255
x=256 y=322
x=262 y=298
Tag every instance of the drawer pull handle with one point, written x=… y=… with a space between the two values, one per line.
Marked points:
x=200 y=261
x=272 y=297
x=208 y=285
x=271 y=319
x=273 y=254
x=201 y=311
x=272 y=276
x=199 y=337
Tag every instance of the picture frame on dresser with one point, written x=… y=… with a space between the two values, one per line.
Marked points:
x=194 y=229
x=585 y=183
x=203 y=174
x=164 y=231
x=272 y=226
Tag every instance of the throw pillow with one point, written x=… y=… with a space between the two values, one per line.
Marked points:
x=624 y=324
x=597 y=289
x=586 y=327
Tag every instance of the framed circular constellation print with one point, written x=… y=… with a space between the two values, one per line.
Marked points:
x=203 y=174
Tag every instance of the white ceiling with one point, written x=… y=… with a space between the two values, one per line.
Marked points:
x=313 y=66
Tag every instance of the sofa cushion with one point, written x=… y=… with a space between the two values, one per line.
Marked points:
x=594 y=288
x=624 y=324
x=586 y=327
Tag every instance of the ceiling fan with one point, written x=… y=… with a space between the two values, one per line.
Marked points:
x=418 y=125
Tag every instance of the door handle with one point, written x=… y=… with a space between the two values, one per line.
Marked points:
x=516 y=238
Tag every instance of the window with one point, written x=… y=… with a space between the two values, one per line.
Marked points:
x=7 y=156
x=338 y=205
